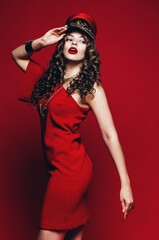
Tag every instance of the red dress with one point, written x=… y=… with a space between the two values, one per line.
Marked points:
x=65 y=204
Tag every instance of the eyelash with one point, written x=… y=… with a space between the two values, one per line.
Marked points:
x=71 y=39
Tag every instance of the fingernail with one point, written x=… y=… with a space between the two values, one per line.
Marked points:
x=122 y=210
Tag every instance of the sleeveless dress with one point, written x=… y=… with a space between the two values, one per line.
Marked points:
x=69 y=167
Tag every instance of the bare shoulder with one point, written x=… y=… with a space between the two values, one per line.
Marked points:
x=97 y=96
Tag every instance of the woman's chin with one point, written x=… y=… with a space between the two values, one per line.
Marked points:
x=75 y=61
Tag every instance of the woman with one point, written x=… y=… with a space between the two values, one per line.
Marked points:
x=64 y=93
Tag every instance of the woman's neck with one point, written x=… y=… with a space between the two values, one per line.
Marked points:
x=72 y=69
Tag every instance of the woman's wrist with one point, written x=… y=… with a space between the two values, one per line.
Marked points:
x=37 y=44
x=125 y=181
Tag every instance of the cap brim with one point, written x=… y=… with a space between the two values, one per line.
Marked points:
x=79 y=29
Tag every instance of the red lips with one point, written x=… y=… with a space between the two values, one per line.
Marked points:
x=73 y=50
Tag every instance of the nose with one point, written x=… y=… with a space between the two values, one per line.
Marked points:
x=74 y=42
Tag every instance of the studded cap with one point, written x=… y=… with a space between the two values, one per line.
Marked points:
x=83 y=22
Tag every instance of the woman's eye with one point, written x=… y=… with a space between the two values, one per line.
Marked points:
x=71 y=40
x=83 y=41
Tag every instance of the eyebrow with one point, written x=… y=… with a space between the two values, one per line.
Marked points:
x=73 y=36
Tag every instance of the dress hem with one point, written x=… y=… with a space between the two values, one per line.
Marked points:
x=62 y=226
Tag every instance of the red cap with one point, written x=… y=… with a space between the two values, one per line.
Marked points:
x=84 y=22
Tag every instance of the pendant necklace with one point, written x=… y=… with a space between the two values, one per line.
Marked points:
x=70 y=78
x=43 y=103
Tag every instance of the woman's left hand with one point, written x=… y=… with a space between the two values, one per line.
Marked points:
x=126 y=198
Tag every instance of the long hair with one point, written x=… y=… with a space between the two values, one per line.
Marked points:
x=54 y=74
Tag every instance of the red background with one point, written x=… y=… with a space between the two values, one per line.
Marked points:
x=127 y=40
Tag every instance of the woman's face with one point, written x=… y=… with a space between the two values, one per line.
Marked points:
x=76 y=41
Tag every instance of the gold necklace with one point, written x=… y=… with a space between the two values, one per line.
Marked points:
x=44 y=102
x=69 y=78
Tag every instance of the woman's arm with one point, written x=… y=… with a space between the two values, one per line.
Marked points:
x=21 y=57
x=100 y=108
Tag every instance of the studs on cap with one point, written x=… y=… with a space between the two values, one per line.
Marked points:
x=82 y=25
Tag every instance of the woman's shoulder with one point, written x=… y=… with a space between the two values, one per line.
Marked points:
x=97 y=91
x=32 y=75
x=97 y=86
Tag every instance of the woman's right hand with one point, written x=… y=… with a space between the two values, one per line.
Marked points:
x=53 y=36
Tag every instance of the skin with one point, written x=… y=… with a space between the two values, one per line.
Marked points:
x=74 y=61
x=100 y=108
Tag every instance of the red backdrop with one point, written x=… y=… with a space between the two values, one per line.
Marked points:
x=127 y=40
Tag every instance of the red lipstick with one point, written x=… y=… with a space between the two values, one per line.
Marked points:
x=72 y=50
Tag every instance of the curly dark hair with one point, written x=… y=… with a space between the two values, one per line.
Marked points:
x=54 y=74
